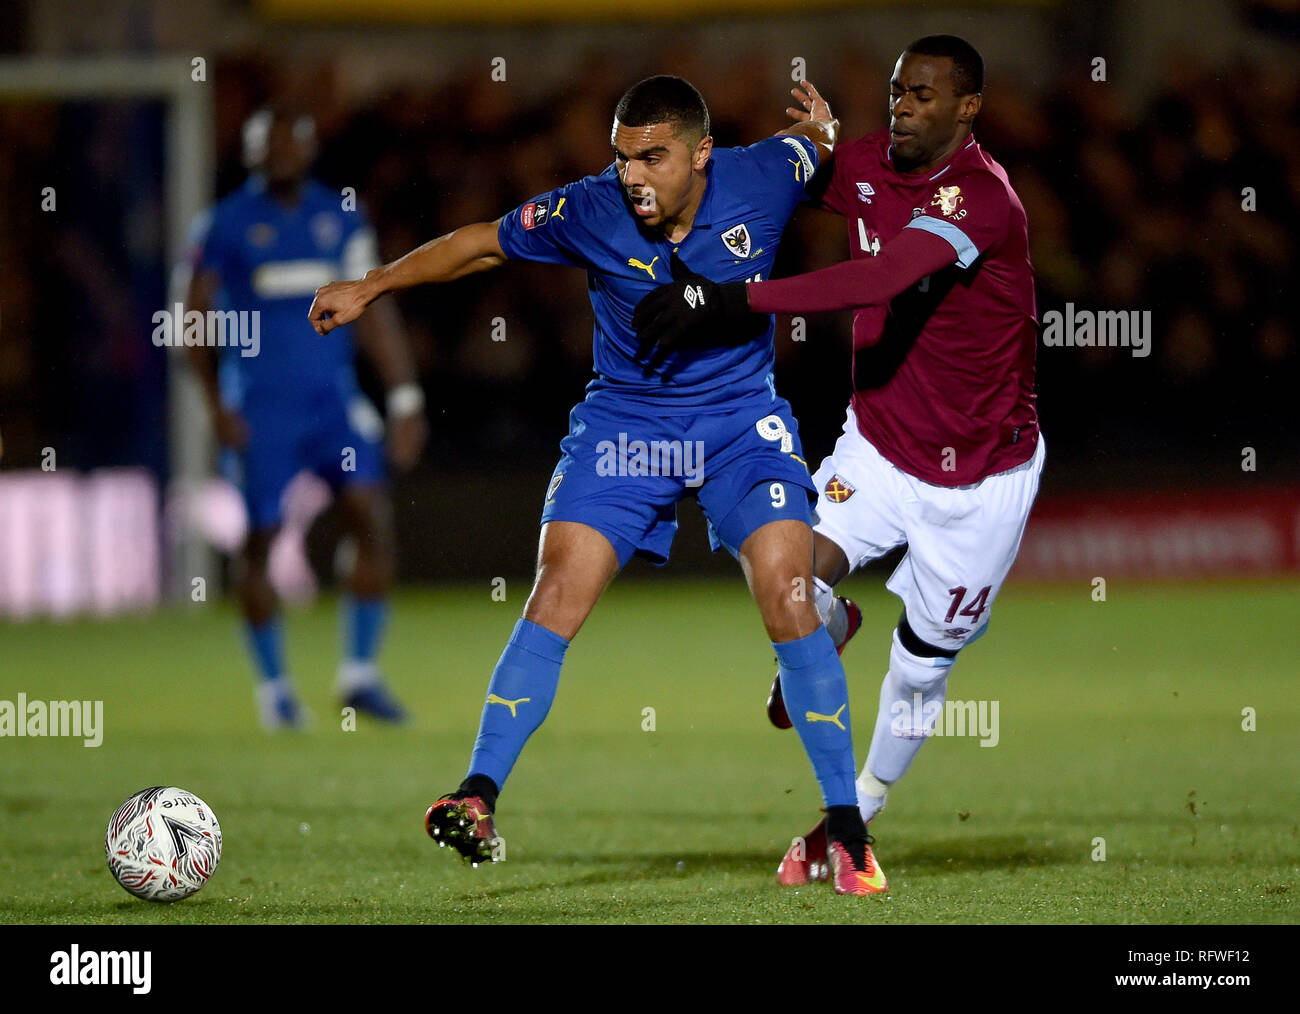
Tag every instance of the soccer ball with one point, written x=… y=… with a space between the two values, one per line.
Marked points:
x=163 y=844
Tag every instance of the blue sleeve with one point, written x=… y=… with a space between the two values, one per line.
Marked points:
x=785 y=165
x=551 y=228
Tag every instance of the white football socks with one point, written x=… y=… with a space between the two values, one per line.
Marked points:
x=354 y=675
x=831 y=610
x=872 y=793
x=911 y=698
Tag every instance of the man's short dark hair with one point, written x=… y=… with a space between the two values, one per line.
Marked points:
x=967 y=64
x=665 y=99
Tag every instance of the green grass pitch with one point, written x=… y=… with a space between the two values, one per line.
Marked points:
x=1119 y=720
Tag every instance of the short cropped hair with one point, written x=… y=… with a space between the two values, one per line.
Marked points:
x=665 y=99
x=967 y=64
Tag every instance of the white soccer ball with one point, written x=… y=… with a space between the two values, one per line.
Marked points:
x=163 y=844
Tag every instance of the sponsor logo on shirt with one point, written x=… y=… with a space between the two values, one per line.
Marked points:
x=865 y=192
x=946 y=200
x=839 y=489
x=534 y=213
x=737 y=240
x=554 y=487
x=292 y=279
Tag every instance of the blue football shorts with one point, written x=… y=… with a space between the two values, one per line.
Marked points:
x=624 y=469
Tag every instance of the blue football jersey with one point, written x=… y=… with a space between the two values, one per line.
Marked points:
x=748 y=198
x=271 y=259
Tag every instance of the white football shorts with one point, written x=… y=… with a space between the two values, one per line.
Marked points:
x=961 y=541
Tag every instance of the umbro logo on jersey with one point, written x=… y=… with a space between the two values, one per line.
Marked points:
x=838 y=490
x=865 y=192
x=737 y=240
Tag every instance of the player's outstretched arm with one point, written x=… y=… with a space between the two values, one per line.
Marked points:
x=693 y=310
x=461 y=252
x=849 y=285
x=813 y=120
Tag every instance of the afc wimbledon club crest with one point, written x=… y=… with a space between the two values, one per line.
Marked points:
x=737 y=240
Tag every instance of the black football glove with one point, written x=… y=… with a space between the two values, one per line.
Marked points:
x=692 y=312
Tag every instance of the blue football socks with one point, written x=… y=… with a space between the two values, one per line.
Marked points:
x=363 y=625
x=817 y=698
x=519 y=697
x=266 y=644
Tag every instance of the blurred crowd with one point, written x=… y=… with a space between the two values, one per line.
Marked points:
x=1186 y=205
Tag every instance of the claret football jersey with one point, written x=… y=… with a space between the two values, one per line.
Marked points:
x=944 y=377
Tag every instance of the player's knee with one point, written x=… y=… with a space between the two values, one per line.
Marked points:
x=371 y=525
x=783 y=597
x=558 y=602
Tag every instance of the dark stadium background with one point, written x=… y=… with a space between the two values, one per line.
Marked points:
x=1144 y=777
x=1133 y=188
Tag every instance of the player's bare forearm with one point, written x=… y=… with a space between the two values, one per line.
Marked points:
x=380 y=337
x=462 y=252
x=227 y=423
x=200 y=296
x=823 y=133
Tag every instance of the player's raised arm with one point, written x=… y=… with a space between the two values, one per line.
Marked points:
x=813 y=120
x=461 y=252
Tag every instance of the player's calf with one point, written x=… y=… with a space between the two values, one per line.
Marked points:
x=842 y=617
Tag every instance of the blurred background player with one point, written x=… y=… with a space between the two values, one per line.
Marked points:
x=296 y=403
x=669 y=197
x=940 y=449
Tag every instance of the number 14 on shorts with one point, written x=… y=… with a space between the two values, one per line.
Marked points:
x=974 y=610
